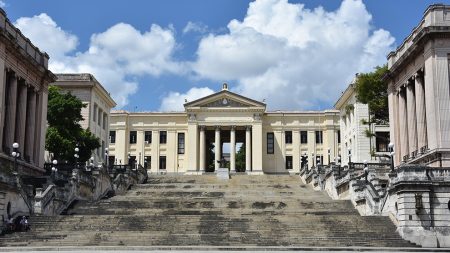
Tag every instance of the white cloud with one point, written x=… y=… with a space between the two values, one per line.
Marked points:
x=2 y=4
x=195 y=27
x=295 y=58
x=174 y=100
x=117 y=56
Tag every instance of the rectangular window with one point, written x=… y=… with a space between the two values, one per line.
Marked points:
x=319 y=137
x=99 y=118
x=162 y=162
x=112 y=137
x=148 y=162
x=103 y=150
x=319 y=159
x=270 y=143
x=162 y=136
x=94 y=114
x=289 y=162
x=111 y=160
x=382 y=141
x=133 y=137
x=288 y=137
x=148 y=137
x=180 y=143
x=339 y=136
x=303 y=137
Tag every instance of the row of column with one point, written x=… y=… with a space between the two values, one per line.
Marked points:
x=217 y=148
x=20 y=121
x=412 y=117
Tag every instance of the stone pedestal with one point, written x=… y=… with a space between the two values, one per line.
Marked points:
x=223 y=173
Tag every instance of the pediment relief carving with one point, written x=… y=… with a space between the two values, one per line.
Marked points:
x=225 y=102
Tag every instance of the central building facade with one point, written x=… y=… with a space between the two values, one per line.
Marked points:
x=218 y=126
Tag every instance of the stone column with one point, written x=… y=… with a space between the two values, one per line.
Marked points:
x=233 y=149
x=21 y=118
x=403 y=120
x=202 y=149
x=248 y=149
x=217 y=148
x=3 y=91
x=421 y=114
x=31 y=123
x=412 y=127
x=10 y=120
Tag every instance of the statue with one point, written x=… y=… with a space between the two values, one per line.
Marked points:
x=222 y=162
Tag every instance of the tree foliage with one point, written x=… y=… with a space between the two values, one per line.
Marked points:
x=64 y=131
x=372 y=90
x=240 y=159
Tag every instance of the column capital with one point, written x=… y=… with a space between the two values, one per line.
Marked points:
x=217 y=128
x=248 y=128
x=233 y=128
x=202 y=128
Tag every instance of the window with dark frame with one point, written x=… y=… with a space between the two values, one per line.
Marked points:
x=133 y=137
x=147 y=162
x=180 y=143
x=303 y=137
x=148 y=137
x=112 y=136
x=319 y=137
x=162 y=162
x=339 y=136
x=382 y=141
x=289 y=162
x=270 y=143
x=288 y=137
x=162 y=137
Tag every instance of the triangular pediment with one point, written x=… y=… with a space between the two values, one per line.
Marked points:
x=223 y=99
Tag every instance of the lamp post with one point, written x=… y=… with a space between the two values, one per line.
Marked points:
x=366 y=170
x=54 y=169
x=329 y=155
x=106 y=157
x=129 y=159
x=15 y=153
x=91 y=164
x=313 y=158
x=349 y=158
x=391 y=150
x=76 y=155
x=339 y=165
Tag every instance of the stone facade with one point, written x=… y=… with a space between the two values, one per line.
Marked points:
x=98 y=102
x=353 y=131
x=419 y=92
x=24 y=79
x=178 y=142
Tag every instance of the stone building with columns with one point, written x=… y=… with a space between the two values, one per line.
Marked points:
x=353 y=130
x=98 y=106
x=419 y=92
x=191 y=141
x=24 y=79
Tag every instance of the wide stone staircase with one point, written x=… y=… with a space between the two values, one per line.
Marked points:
x=246 y=211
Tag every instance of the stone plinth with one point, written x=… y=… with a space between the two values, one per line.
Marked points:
x=223 y=173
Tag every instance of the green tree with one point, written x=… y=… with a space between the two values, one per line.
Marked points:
x=371 y=89
x=64 y=131
x=240 y=159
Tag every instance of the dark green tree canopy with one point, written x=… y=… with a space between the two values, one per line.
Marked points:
x=64 y=131
x=372 y=90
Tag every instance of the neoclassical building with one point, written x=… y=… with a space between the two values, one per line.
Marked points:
x=192 y=141
x=356 y=145
x=98 y=106
x=24 y=79
x=419 y=92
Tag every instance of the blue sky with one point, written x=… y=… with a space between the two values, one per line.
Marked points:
x=146 y=54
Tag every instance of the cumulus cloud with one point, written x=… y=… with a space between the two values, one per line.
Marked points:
x=117 y=57
x=174 y=100
x=294 y=57
x=2 y=4
x=195 y=27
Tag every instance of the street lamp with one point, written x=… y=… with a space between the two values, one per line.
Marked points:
x=54 y=169
x=91 y=164
x=76 y=155
x=366 y=170
x=15 y=154
x=349 y=157
x=329 y=153
x=312 y=156
x=391 y=150
x=106 y=157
